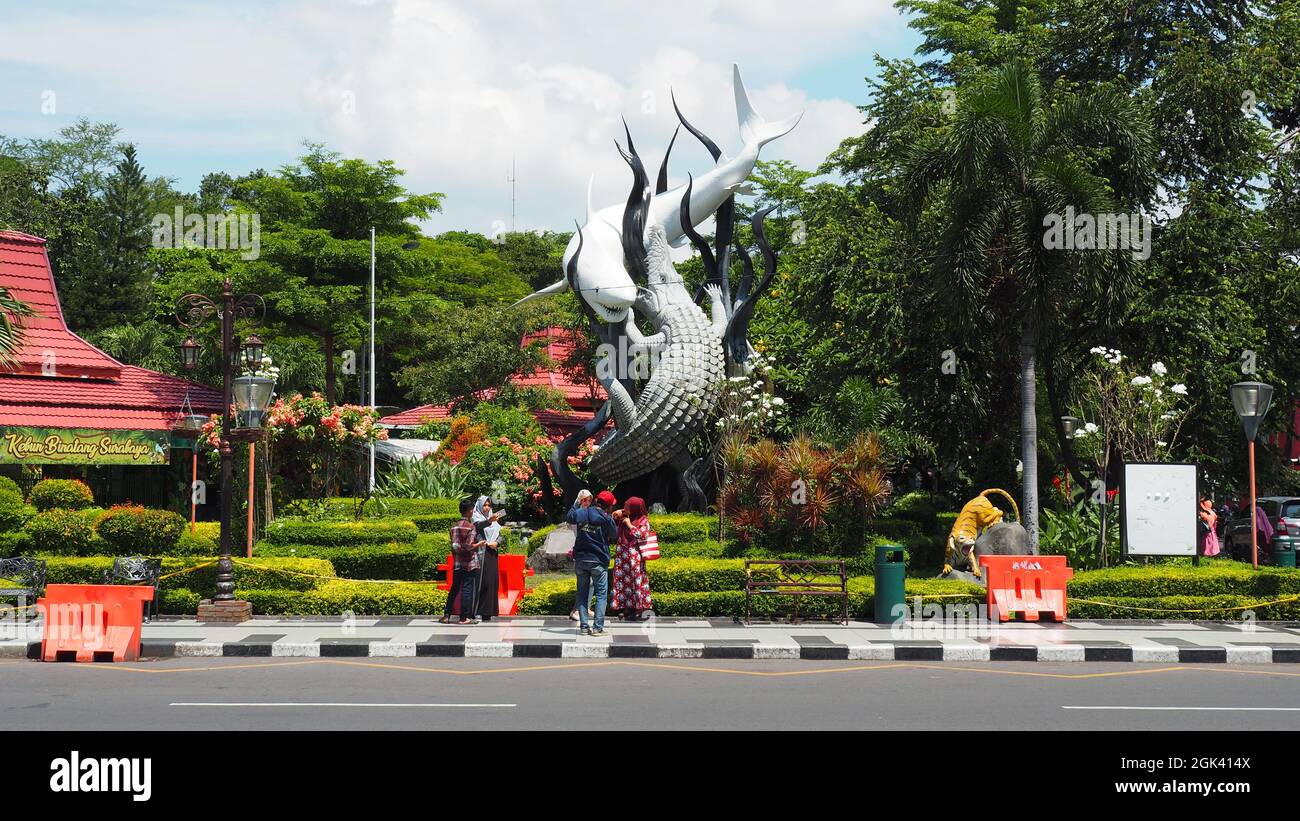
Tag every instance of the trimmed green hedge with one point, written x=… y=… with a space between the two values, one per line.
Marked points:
x=69 y=494
x=90 y=570
x=684 y=527
x=944 y=522
x=556 y=598
x=433 y=522
x=205 y=540
x=345 y=507
x=391 y=561
x=1212 y=578
x=131 y=529
x=707 y=549
x=1193 y=608
x=65 y=531
x=341 y=534
x=13 y=513
x=179 y=601
x=15 y=544
x=361 y=598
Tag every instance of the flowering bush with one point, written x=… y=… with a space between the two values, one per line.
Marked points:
x=462 y=435
x=496 y=448
x=746 y=404
x=70 y=494
x=60 y=530
x=310 y=440
x=1132 y=414
x=135 y=529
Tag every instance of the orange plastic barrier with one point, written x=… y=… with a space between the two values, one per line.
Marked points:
x=1026 y=586
x=92 y=622
x=511 y=581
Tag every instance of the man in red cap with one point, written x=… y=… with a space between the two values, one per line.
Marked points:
x=595 y=530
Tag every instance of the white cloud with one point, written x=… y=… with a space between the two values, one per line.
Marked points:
x=453 y=91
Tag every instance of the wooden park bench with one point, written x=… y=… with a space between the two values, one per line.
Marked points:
x=798 y=578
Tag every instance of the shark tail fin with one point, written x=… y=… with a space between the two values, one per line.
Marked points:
x=753 y=128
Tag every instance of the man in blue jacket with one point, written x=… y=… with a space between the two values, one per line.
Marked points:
x=595 y=531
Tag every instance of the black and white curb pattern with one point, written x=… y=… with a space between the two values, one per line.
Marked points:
x=823 y=650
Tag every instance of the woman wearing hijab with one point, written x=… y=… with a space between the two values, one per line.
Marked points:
x=1207 y=520
x=631 y=583
x=488 y=530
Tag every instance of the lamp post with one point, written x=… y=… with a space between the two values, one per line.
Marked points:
x=1071 y=425
x=1251 y=400
x=191 y=311
x=407 y=246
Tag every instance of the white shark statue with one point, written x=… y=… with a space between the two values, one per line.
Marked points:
x=600 y=274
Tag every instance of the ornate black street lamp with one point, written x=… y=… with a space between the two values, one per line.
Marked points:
x=1251 y=400
x=191 y=311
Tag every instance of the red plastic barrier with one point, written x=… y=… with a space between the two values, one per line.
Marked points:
x=511 y=581
x=92 y=622
x=1026 y=585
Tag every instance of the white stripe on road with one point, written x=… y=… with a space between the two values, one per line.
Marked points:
x=1210 y=709
x=317 y=704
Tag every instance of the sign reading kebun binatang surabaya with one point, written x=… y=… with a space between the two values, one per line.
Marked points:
x=77 y=446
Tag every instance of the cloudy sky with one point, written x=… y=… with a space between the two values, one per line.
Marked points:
x=452 y=91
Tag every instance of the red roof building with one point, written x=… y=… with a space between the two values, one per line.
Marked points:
x=583 y=399
x=62 y=381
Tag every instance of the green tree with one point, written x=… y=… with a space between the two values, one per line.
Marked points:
x=986 y=184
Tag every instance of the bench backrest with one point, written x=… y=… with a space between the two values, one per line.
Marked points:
x=24 y=570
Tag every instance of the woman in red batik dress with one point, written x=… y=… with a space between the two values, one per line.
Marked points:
x=631 y=584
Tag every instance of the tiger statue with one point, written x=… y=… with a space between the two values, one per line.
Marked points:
x=978 y=515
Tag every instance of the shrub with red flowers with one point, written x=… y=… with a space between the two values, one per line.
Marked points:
x=498 y=448
x=311 y=441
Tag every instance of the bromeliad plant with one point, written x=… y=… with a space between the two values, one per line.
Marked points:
x=799 y=497
x=427 y=478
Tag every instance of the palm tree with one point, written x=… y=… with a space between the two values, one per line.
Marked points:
x=988 y=180
x=11 y=333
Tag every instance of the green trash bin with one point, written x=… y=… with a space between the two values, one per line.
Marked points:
x=1283 y=554
x=890 y=572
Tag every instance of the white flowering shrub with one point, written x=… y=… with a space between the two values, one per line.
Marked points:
x=747 y=405
x=267 y=368
x=1131 y=414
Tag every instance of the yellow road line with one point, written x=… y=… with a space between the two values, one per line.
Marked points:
x=130 y=667
x=528 y=669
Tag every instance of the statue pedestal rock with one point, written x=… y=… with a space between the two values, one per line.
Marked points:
x=553 y=555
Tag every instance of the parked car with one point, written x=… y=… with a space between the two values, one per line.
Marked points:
x=1284 y=514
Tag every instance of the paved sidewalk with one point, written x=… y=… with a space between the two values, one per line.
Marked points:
x=557 y=637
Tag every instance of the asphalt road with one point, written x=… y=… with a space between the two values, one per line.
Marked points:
x=525 y=694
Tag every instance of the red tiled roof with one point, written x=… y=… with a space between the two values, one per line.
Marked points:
x=558 y=346
x=47 y=342
x=139 y=399
x=418 y=416
x=87 y=387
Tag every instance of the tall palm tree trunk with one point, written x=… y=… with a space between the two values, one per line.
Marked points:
x=1029 y=430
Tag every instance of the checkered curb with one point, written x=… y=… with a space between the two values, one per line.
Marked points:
x=536 y=648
